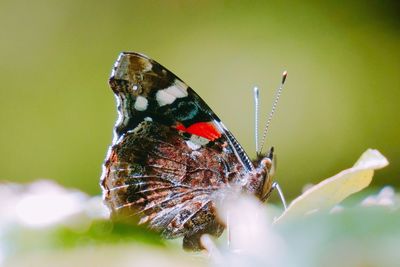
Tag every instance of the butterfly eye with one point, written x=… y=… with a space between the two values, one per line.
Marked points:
x=267 y=162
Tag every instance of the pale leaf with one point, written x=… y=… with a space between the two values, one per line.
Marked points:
x=332 y=191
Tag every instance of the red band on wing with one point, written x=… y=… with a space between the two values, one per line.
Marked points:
x=203 y=129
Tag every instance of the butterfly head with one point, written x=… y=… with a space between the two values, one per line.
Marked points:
x=260 y=180
x=266 y=163
x=266 y=167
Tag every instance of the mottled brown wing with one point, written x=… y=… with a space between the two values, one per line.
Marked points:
x=151 y=172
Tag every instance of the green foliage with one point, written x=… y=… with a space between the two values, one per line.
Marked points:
x=105 y=232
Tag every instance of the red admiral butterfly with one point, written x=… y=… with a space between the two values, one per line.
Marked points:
x=172 y=157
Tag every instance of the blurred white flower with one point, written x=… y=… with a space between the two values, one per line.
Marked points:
x=252 y=239
x=386 y=197
x=45 y=203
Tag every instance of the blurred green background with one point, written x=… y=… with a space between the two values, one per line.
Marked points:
x=341 y=97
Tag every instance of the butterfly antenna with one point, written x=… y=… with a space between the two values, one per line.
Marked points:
x=256 y=108
x=274 y=104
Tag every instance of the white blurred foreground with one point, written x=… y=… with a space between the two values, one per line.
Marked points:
x=364 y=235
x=45 y=203
x=313 y=231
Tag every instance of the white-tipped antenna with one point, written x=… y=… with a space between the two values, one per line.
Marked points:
x=277 y=96
x=256 y=106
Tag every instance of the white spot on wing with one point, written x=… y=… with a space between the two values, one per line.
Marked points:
x=141 y=103
x=192 y=145
x=168 y=95
x=198 y=140
x=176 y=91
x=163 y=98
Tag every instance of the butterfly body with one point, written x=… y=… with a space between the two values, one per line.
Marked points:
x=172 y=159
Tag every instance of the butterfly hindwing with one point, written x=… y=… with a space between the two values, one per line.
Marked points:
x=153 y=173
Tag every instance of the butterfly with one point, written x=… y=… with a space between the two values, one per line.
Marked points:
x=172 y=158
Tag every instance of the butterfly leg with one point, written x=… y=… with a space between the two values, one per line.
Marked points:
x=192 y=241
x=276 y=186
